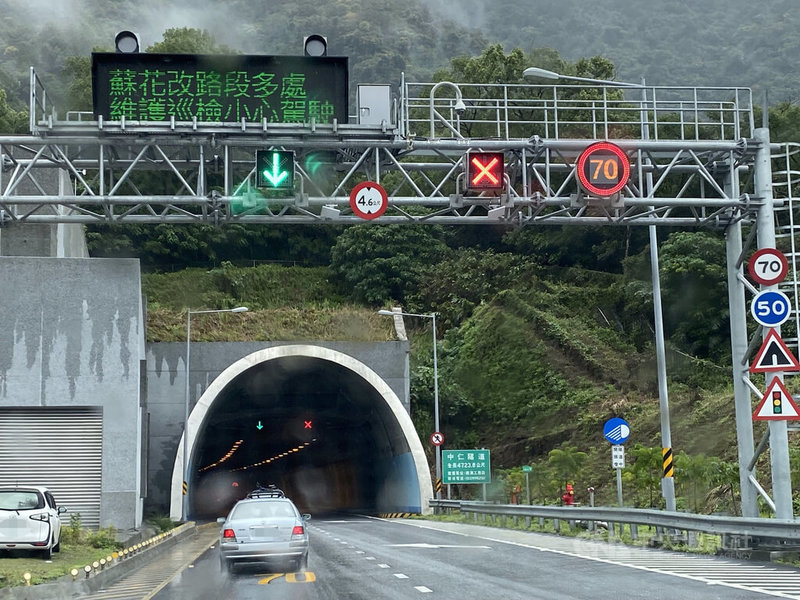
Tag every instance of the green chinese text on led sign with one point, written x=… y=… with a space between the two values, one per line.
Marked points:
x=219 y=88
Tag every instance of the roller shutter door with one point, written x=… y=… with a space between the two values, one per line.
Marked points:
x=60 y=448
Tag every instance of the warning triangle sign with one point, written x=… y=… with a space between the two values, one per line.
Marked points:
x=774 y=355
x=777 y=404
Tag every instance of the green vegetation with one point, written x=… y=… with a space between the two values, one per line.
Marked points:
x=545 y=332
x=644 y=535
x=79 y=547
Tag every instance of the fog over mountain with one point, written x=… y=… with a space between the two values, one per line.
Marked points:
x=670 y=42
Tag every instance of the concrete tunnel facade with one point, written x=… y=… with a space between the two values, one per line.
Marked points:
x=312 y=420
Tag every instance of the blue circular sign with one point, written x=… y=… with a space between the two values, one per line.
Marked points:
x=617 y=430
x=770 y=308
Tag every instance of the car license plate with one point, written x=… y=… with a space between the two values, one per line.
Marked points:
x=264 y=532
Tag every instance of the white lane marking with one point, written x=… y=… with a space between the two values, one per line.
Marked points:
x=360 y=552
x=369 y=558
x=401 y=576
x=424 y=545
x=423 y=589
x=383 y=565
x=750 y=588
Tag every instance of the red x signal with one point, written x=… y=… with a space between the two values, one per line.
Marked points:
x=485 y=171
x=307 y=425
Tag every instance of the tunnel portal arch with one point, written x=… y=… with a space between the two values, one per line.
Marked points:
x=362 y=454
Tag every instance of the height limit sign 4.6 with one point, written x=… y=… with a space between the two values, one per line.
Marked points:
x=368 y=200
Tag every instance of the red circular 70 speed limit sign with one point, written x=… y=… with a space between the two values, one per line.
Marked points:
x=369 y=200
x=768 y=266
x=603 y=169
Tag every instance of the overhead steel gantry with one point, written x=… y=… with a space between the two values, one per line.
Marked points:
x=695 y=154
x=683 y=143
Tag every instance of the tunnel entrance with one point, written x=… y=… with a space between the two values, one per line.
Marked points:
x=317 y=423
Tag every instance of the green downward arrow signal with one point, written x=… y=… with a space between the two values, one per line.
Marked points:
x=259 y=426
x=277 y=175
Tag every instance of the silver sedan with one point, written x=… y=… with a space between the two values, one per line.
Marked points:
x=264 y=529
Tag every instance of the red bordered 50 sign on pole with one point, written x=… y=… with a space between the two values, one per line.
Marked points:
x=369 y=200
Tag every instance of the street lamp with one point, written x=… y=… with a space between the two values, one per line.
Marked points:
x=432 y=316
x=189 y=313
x=668 y=483
x=531 y=72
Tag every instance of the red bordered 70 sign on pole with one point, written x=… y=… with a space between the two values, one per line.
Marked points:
x=768 y=266
x=369 y=200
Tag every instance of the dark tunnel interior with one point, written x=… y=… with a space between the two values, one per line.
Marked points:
x=312 y=427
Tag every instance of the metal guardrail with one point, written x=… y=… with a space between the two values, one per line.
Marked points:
x=788 y=530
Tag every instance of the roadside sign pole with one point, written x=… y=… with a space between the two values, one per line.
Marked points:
x=778 y=430
x=619 y=487
x=528 y=488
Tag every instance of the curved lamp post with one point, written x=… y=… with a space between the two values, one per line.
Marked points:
x=459 y=106
x=431 y=316
x=189 y=313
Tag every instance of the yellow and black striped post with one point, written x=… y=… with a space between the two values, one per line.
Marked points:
x=438 y=486
x=669 y=463
x=185 y=488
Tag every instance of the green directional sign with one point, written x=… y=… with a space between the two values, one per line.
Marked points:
x=275 y=169
x=466 y=466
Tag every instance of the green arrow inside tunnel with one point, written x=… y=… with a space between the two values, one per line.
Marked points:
x=259 y=426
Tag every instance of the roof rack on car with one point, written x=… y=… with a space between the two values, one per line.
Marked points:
x=269 y=491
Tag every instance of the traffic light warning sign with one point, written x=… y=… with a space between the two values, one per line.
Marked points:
x=777 y=404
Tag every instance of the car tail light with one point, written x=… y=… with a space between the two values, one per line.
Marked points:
x=228 y=534
x=40 y=517
x=298 y=530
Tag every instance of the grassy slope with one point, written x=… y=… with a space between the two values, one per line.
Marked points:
x=535 y=367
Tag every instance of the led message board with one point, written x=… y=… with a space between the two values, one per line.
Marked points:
x=219 y=88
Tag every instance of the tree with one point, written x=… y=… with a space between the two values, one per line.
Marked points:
x=567 y=463
x=694 y=470
x=382 y=263
x=644 y=471
x=12 y=121
x=725 y=474
x=695 y=293
x=188 y=40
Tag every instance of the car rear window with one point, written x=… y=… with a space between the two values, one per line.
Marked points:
x=20 y=500
x=260 y=510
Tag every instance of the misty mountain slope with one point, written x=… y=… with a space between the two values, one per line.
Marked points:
x=672 y=42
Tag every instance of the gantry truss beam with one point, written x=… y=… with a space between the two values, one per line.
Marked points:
x=683 y=145
x=201 y=178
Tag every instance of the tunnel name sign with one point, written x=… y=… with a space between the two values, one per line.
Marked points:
x=466 y=466
x=219 y=88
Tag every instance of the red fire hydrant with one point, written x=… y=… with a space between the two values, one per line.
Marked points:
x=569 y=495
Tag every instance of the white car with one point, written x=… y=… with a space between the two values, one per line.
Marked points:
x=264 y=527
x=30 y=520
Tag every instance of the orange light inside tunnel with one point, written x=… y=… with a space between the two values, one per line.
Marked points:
x=230 y=453
x=302 y=446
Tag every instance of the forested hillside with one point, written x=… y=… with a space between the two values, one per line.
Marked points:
x=672 y=42
x=545 y=332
